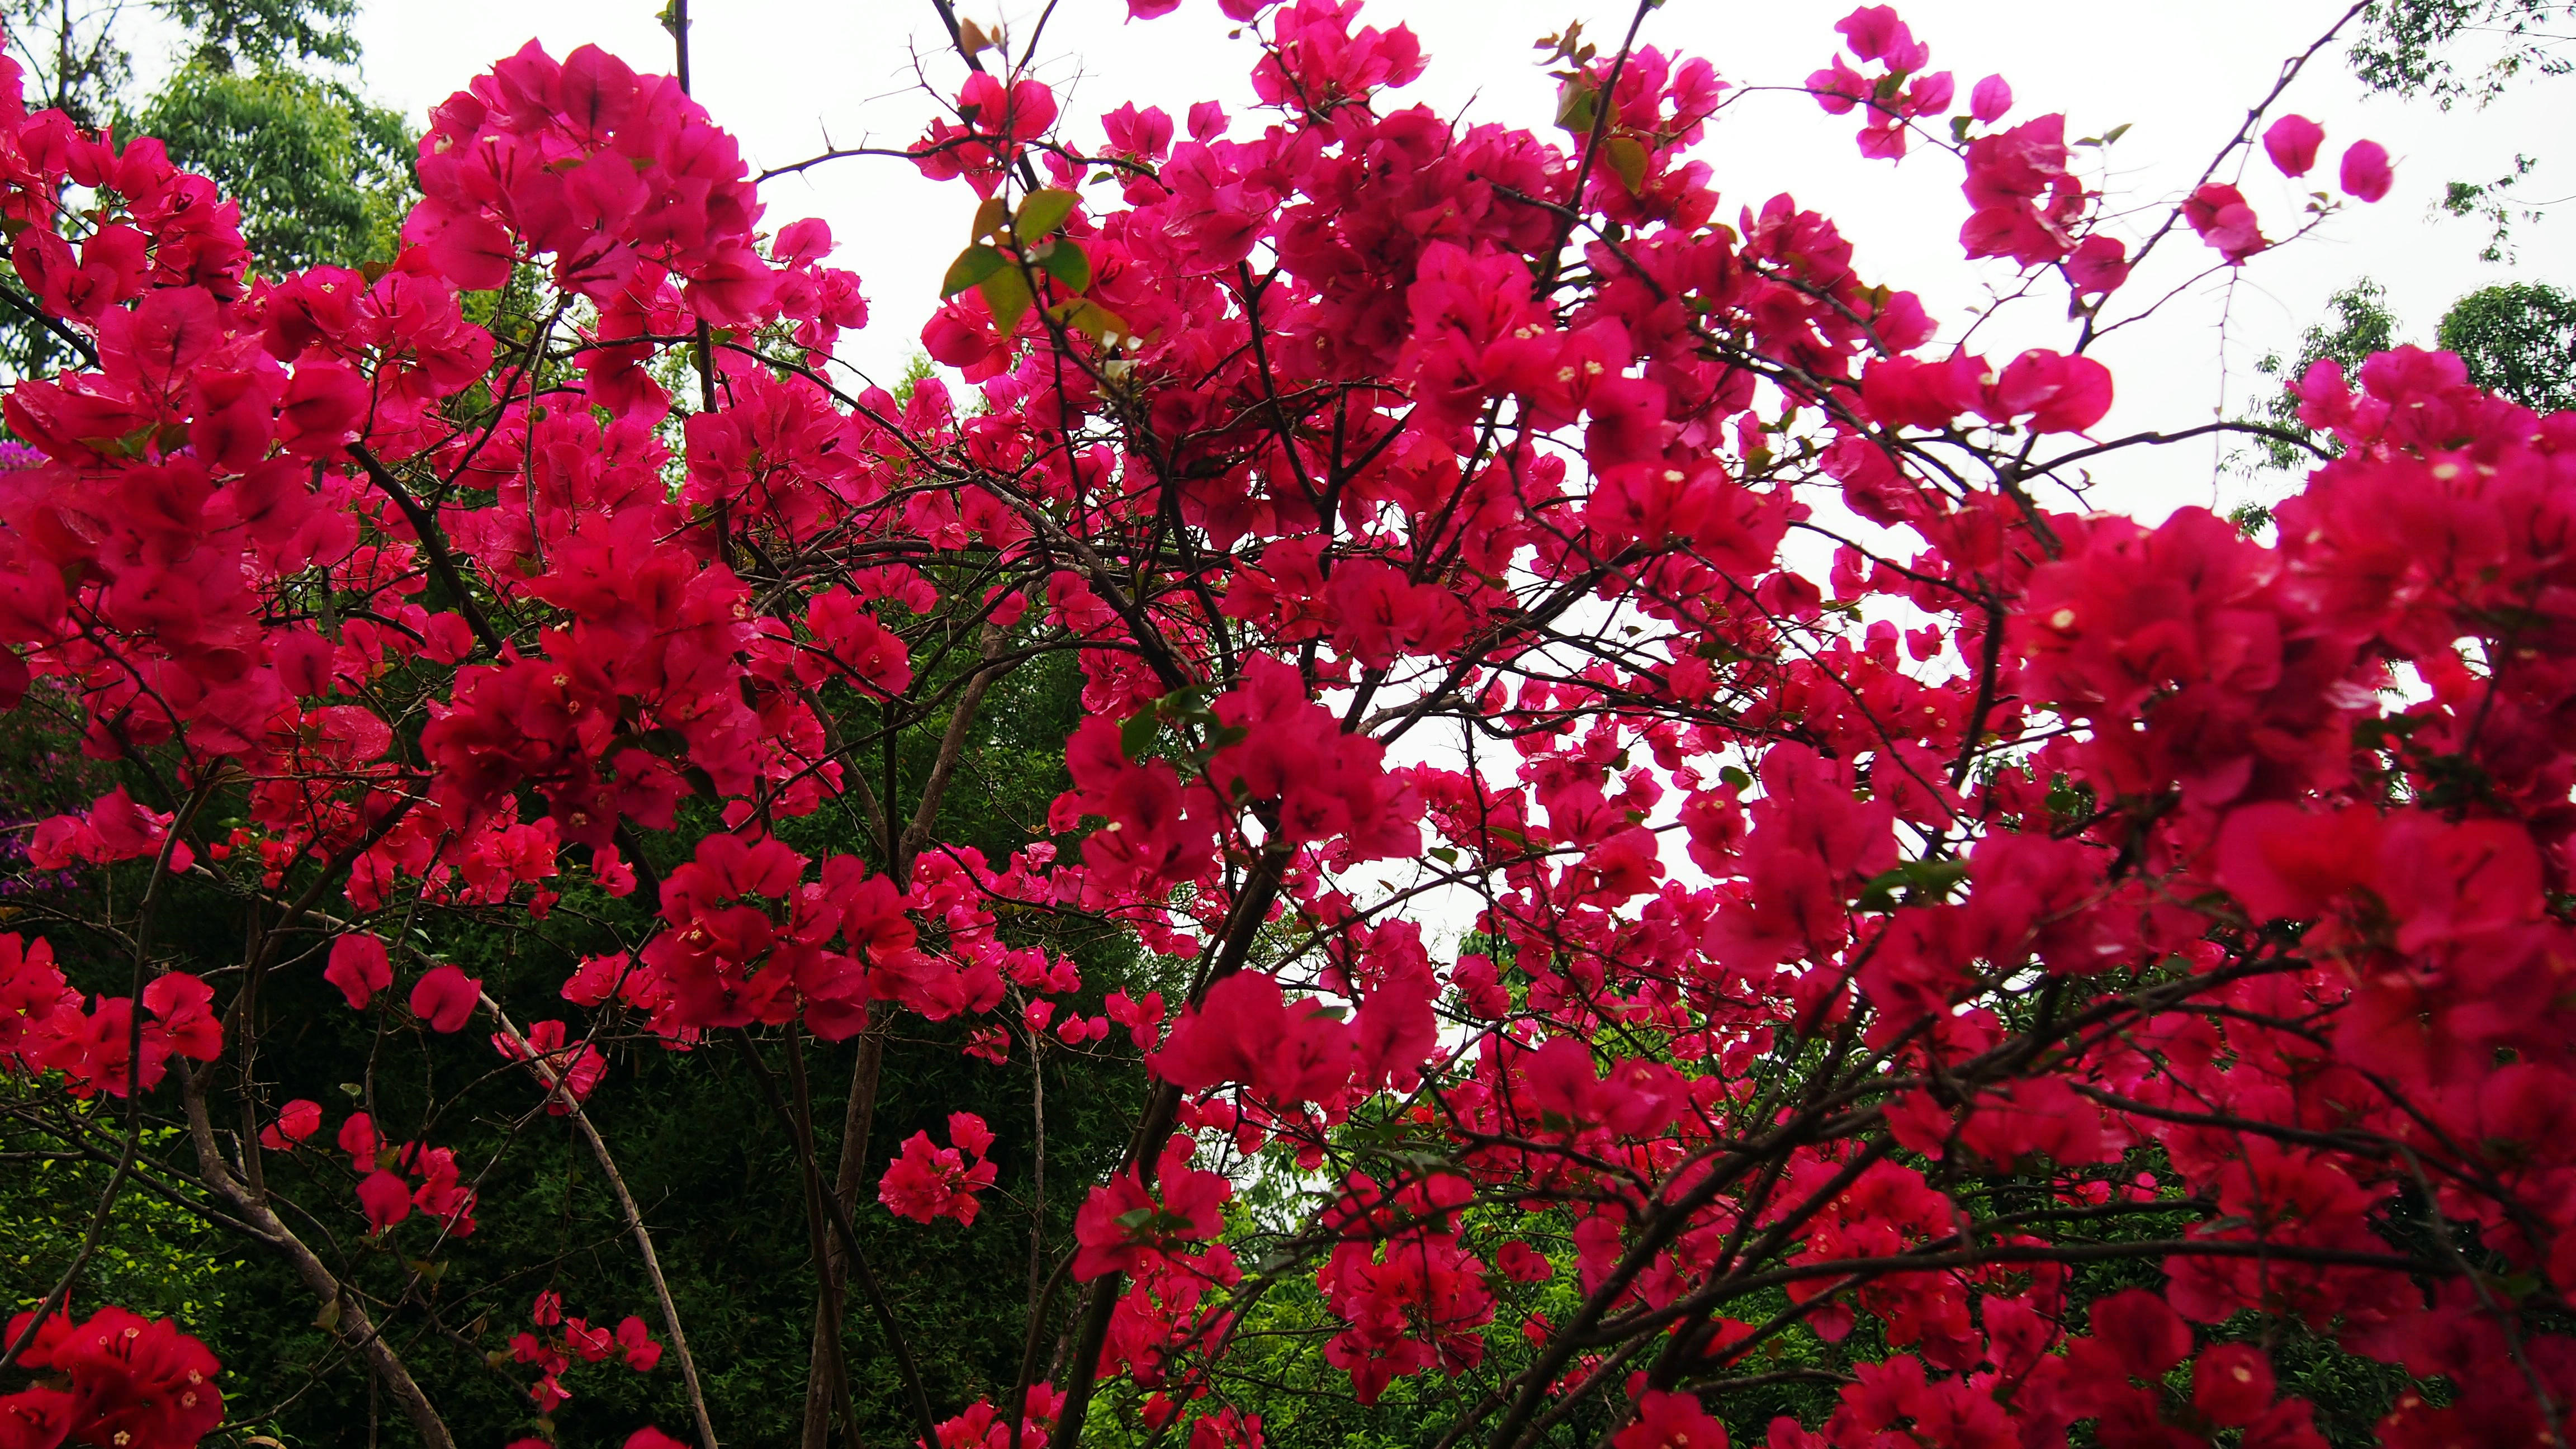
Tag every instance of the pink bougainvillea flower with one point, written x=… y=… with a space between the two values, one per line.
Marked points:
x=385 y=1197
x=2366 y=172
x=359 y=968
x=2220 y=214
x=445 y=998
x=1991 y=100
x=296 y=1121
x=2292 y=144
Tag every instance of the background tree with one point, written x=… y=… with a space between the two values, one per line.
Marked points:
x=2519 y=340
x=2473 y=50
x=76 y=56
x=2358 y=323
x=2414 y=47
x=322 y=174
x=265 y=94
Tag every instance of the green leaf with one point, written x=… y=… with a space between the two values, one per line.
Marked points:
x=128 y=445
x=1136 y=732
x=1577 y=106
x=1065 y=262
x=1090 y=319
x=665 y=741
x=1041 y=212
x=1626 y=156
x=989 y=218
x=970 y=269
x=1934 y=878
x=1959 y=127
x=1006 y=296
x=2116 y=132
x=1925 y=881
x=1445 y=854
x=1733 y=776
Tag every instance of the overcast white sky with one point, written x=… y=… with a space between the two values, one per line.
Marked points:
x=785 y=74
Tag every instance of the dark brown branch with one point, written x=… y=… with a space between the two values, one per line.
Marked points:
x=432 y=541
x=952 y=745
x=901 y=1346
x=344 y=1313
x=858 y=1119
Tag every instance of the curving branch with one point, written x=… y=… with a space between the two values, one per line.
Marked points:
x=552 y=1081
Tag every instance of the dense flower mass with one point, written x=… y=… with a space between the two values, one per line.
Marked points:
x=114 y=1379
x=929 y=1181
x=1890 y=890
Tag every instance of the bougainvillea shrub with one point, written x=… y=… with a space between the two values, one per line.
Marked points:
x=1667 y=842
